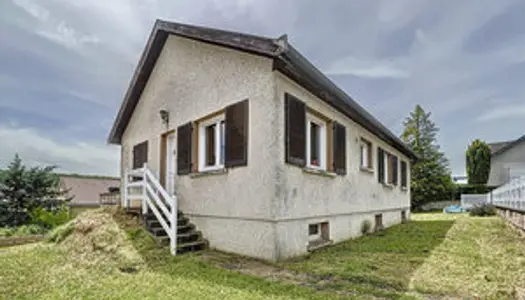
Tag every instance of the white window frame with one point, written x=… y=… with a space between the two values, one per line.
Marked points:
x=401 y=174
x=386 y=167
x=202 y=143
x=317 y=236
x=322 y=140
x=366 y=147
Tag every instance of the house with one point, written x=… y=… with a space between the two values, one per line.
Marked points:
x=507 y=161
x=86 y=190
x=266 y=156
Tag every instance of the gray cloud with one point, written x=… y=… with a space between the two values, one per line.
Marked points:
x=64 y=65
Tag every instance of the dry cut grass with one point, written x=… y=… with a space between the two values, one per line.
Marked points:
x=95 y=259
x=480 y=257
x=433 y=257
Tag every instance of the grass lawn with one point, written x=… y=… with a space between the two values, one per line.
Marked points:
x=434 y=256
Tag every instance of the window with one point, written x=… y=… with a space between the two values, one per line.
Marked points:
x=313 y=229
x=214 y=142
x=140 y=155
x=379 y=222
x=387 y=167
x=366 y=154
x=211 y=143
x=313 y=140
x=404 y=174
x=403 y=216
x=316 y=142
x=319 y=231
x=390 y=168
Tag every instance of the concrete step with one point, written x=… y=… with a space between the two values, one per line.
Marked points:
x=155 y=223
x=185 y=247
x=157 y=231
x=189 y=237
x=198 y=245
x=185 y=229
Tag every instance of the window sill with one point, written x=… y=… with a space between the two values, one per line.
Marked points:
x=367 y=170
x=389 y=185
x=318 y=244
x=404 y=188
x=209 y=173
x=319 y=172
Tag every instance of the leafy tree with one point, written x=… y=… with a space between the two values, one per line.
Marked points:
x=22 y=190
x=478 y=162
x=430 y=175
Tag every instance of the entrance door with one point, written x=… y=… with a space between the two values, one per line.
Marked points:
x=171 y=161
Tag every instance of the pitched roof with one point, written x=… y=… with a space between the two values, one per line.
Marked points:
x=86 y=190
x=495 y=147
x=504 y=146
x=286 y=59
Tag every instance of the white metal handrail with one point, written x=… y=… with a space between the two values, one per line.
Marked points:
x=510 y=195
x=155 y=198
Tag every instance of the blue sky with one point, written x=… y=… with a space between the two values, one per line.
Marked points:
x=65 y=65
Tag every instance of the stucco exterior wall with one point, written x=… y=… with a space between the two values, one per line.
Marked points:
x=292 y=235
x=507 y=165
x=344 y=201
x=191 y=80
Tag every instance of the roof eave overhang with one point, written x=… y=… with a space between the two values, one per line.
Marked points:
x=293 y=65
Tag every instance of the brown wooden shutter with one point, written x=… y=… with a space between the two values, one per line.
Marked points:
x=403 y=173
x=394 y=169
x=380 y=165
x=140 y=155
x=295 y=131
x=184 y=147
x=339 y=148
x=236 y=132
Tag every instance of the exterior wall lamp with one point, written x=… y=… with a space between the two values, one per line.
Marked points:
x=164 y=116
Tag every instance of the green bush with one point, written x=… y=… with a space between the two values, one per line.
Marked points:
x=24 y=230
x=22 y=189
x=483 y=211
x=49 y=218
x=366 y=227
x=7 y=231
x=30 y=229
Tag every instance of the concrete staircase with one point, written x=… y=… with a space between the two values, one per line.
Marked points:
x=159 y=212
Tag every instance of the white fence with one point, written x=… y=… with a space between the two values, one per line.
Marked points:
x=510 y=195
x=471 y=200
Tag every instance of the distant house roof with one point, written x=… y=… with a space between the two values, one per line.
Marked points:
x=500 y=147
x=86 y=190
x=285 y=58
x=495 y=147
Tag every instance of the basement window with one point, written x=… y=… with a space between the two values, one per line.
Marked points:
x=379 y=222
x=403 y=216
x=313 y=229
x=319 y=231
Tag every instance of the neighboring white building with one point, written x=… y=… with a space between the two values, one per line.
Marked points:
x=507 y=161
x=266 y=155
